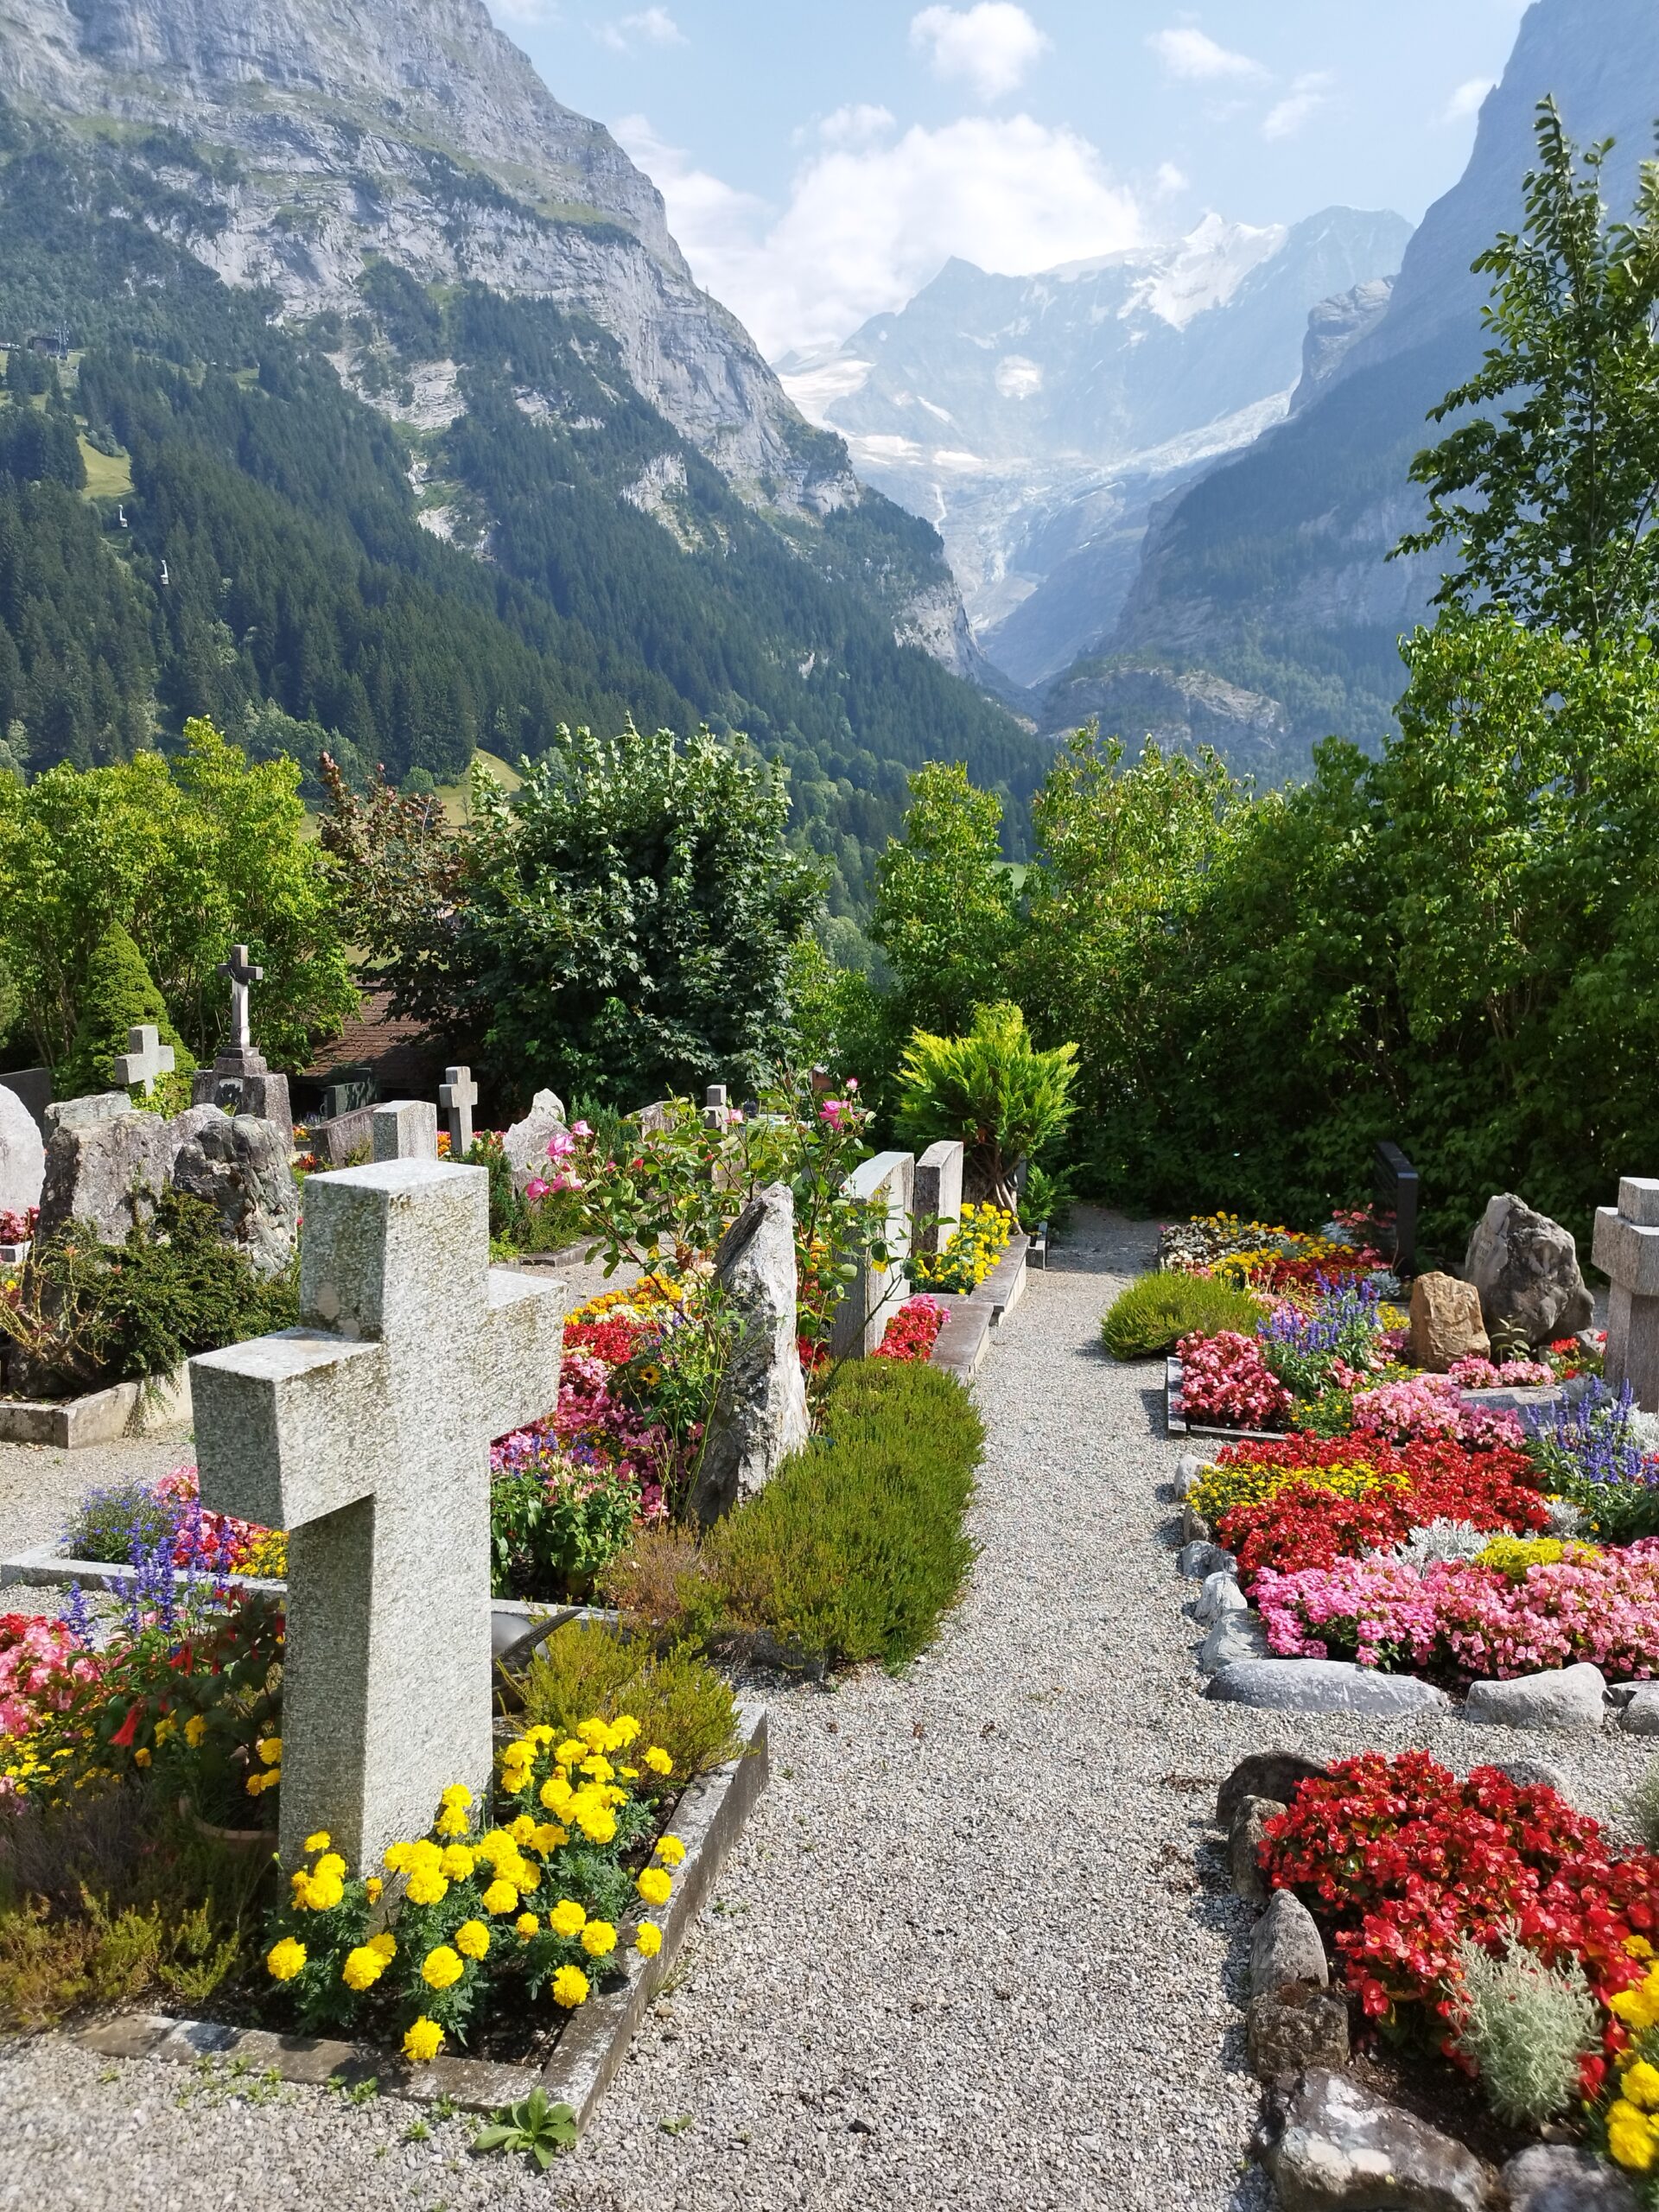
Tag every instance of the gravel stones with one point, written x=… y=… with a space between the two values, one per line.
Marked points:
x=1341 y=2150
x=1236 y=1635
x=1244 y=1837
x=1550 y=2177
x=1288 y=2029
x=1526 y=1269
x=1557 y=1698
x=1324 y=1686
x=1286 y=1946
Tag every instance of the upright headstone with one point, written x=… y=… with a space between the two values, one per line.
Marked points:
x=759 y=1410
x=366 y=1433
x=145 y=1057
x=457 y=1095
x=34 y=1087
x=716 y=1113
x=333 y=1143
x=241 y=1166
x=938 y=1195
x=240 y=1081
x=524 y=1146
x=348 y=1095
x=405 y=1130
x=1626 y=1248
x=875 y=1293
x=22 y=1156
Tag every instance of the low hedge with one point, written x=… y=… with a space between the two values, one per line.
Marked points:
x=1158 y=1310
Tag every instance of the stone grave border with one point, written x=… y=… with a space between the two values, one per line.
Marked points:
x=963 y=1343
x=101 y=1417
x=708 y=1818
x=14 y=1255
x=1177 y=1424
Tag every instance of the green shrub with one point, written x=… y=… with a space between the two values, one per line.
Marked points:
x=678 y=1699
x=117 y=995
x=1158 y=1310
x=857 y=1547
x=993 y=1090
x=1527 y=2027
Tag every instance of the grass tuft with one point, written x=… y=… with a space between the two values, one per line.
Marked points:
x=1156 y=1311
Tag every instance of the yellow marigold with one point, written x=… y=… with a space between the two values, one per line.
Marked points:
x=671 y=1850
x=395 y=1858
x=654 y=1885
x=598 y=1939
x=1640 y=2086
x=597 y=1823
x=570 y=1987
x=363 y=1968
x=598 y=1769
x=1638 y=1947
x=567 y=1919
x=422 y=2041
x=385 y=1943
x=257 y=1784
x=457 y=1794
x=331 y=1863
x=569 y=1751
x=322 y=1893
x=427 y=1887
x=540 y=1734
x=451 y=1820
x=550 y=1837
x=648 y=1939
x=319 y=1841
x=556 y=1795
x=457 y=1862
x=194 y=1729
x=441 y=1967
x=500 y=1897
x=624 y=1729
x=1630 y=2137
x=658 y=1760
x=472 y=1939
x=375 y=1888
x=425 y=1853
x=528 y=1925
x=1639 y=2008
x=284 y=1959
x=522 y=1830
x=270 y=1748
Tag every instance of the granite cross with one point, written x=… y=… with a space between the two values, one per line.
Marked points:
x=242 y=972
x=366 y=1433
x=145 y=1058
x=458 y=1095
x=1626 y=1248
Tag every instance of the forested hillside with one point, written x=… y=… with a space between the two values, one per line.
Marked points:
x=566 y=557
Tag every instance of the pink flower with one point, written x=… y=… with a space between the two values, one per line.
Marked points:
x=536 y=1189
x=832 y=1110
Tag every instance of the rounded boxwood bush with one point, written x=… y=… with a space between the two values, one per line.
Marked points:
x=1157 y=1311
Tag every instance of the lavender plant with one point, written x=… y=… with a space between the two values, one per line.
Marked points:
x=1303 y=1350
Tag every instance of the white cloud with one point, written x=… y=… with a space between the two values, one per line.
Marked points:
x=1306 y=96
x=857 y=125
x=992 y=44
x=648 y=26
x=1170 y=179
x=524 y=14
x=867 y=225
x=1467 y=100
x=1188 y=53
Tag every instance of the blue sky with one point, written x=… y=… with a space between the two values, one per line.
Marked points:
x=820 y=163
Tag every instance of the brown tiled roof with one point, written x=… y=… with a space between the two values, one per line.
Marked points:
x=405 y=1056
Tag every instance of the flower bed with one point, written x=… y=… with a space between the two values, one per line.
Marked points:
x=970 y=1253
x=913 y=1331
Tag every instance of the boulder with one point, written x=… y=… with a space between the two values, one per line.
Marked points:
x=1198 y=1560
x=1324 y=1686
x=106 y=1172
x=1286 y=1946
x=1532 y=1774
x=241 y=1167
x=1236 y=1635
x=22 y=1155
x=1220 y=1594
x=1189 y=1473
x=524 y=1146
x=1288 y=2029
x=83 y=1113
x=1446 y=1322
x=1249 y=1824
x=1558 y=1698
x=1551 y=2177
x=1341 y=2150
x=1526 y=1269
x=1640 y=1716
x=1266 y=1774
x=1195 y=1529
x=760 y=1411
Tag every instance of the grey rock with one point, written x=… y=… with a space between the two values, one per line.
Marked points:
x=84 y=1113
x=1244 y=1836
x=1551 y=2177
x=1324 y=1686
x=1286 y=1946
x=1189 y=1473
x=1198 y=1560
x=1558 y=1698
x=1342 y=2150
x=760 y=1414
x=1288 y=2029
x=1266 y=1774
x=1640 y=1716
x=34 y=1087
x=241 y=1167
x=1195 y=1529
x=22 y=1156
x=1533 y=1774
x=524 y=1146
x=1220 y=1594
x=1526 y=1269
x=108 y=1171
x=1236 y=1635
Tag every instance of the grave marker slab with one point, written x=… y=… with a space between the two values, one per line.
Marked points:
x=366 y=1433
x=145 y=1057
x=871 y=1298
x=1627 y=1248
x=405 y=1130
x=1397 y=1186
x=938 y=1195
x=457 y=1095
x=34 y=1087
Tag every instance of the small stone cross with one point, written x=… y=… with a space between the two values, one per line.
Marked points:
x=1627 y=1248
x=145 y=1058
x=242 y=972
x=366 y=1433
x=458 y=1095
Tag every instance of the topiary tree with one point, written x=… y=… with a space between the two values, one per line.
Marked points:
x=991 y=1089
x=117 y=995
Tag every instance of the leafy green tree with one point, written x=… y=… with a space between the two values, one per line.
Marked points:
x=1550 y=507
x=116 y=994
x=993 y=1090
x=945 y=908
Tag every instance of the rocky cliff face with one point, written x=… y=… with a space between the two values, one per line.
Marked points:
x=414 y=130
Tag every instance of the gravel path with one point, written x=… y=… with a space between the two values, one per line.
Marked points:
x=976 y=1949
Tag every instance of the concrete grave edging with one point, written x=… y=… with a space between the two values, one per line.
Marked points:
x=708 y=1818
x=101 y=1417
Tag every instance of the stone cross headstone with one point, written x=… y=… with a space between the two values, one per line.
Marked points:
x=458 y=1095
x=876 y=1293
x=938 y=1194
x=242 y=972
x=405 y=1130
x=145 y=1058
x=1626 y=1248
x=366 y=1433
